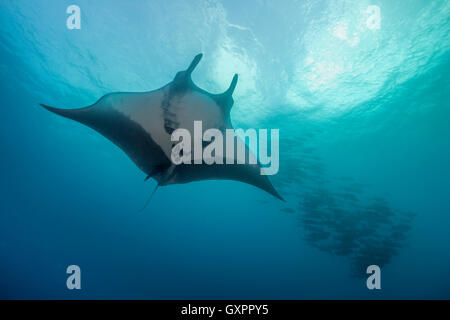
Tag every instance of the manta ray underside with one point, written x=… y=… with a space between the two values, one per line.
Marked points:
x=141 y=125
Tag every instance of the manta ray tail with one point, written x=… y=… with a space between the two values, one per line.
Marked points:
x=150 y=198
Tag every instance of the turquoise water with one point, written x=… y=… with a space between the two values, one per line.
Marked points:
x=364 y=120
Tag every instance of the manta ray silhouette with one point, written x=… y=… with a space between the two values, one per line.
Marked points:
x=141 y=124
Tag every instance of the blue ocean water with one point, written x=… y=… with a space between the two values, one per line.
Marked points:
x=364 y=120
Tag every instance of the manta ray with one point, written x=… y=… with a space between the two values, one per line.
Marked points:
x=141 y=124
